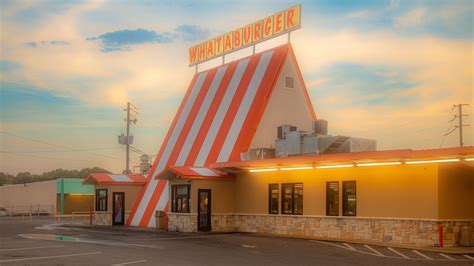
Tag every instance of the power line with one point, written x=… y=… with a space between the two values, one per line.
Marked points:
x=52 y=151
x=50 y=158
x=52 y=144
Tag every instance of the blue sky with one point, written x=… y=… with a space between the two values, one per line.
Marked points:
x=388 y=70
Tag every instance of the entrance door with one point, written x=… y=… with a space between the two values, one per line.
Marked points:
x=204 y=210
x=118 y=213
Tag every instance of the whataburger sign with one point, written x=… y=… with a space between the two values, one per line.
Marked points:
x=269 y=27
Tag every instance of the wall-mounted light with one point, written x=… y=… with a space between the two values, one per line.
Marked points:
x=433 y=161
x=334 y=166
x=263 y=170
x=377 y=164
x=469 y=159
x=296 y=168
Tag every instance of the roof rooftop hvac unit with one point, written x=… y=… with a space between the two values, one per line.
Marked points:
x=285 y=129
x=320 y=127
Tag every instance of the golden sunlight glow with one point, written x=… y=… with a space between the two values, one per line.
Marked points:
x=263 y=170
x=433 y=161
x=296 y=168
x=334 y=166
x=376 y=164
x=469 y=159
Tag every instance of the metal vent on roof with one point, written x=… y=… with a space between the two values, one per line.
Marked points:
x=290 y=82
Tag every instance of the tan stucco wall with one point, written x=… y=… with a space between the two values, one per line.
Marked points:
x=456 y=192
x=20 y=197
x=131 y=195
x=222 y=194
x=286 y=106
x=405 y=191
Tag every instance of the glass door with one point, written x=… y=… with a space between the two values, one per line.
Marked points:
x=118 y=213
x=204 y=210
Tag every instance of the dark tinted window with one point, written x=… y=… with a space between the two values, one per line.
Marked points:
x=273 y=192
x=349 y=201
x=101 y=200
x=332 y=198
x=180 y=196
x=292 y=198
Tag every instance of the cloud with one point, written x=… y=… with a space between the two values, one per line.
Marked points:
x=415 y=17
x=34 y=44
x=122 y=40
x=8 y=66
x=192 y=33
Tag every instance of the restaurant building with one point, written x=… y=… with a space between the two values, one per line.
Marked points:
x=247 y=153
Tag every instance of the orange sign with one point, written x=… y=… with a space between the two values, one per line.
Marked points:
x=264 y=29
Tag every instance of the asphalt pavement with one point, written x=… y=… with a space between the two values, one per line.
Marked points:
x=43 y=241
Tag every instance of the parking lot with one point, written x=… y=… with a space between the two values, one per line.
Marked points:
x=42 y=241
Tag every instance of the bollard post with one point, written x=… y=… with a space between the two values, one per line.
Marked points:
x=440 y=231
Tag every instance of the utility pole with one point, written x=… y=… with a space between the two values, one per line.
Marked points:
x=460 y=125
x=127 y=140
x=127 y=160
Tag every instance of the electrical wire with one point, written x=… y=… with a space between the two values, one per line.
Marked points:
x=52 y=144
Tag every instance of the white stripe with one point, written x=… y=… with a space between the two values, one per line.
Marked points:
x=204 y=171
x=469 y=257
x=349 y=246
x=244 y=107
x=163 y=160
x=50 y=257
x=120 y=178
x=374 y=250
x=421 y=254
x=41 y=247
x=446 y=256
x=197 y=123
x=221 y=112
x=161 y=205
x=398 y=253
x=130 y=262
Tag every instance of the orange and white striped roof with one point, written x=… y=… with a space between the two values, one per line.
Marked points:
x=215 y=123
x=114 y=179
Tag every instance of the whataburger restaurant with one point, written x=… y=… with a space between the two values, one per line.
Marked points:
x=220 y=167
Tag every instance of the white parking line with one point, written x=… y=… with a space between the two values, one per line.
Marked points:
x=446 y=256
x=127 y=263
x=375 y=251
x=52 y=257
x=422 y=255
x=13 y=249
x=398 y=253
x=18 y=241
x=469 y=257
x=349 y=246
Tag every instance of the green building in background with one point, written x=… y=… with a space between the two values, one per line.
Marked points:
x=73 y=196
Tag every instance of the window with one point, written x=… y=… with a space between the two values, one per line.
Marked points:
x=349 y=202
x=332 y=198
x=289 y=82
x=180 y=196
x=292 y=198
x=273 y=198
x=101 y=200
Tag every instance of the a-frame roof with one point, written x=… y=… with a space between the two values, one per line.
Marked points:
x=215 y=122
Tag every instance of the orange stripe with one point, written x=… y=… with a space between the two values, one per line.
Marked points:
x=162 y=148
x=211 y=113
x=232 y=111
x=149 y=211
x=180 y=142
x=259 y=104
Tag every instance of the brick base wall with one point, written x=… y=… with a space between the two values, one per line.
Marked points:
x=394 y=231
x=102 y=218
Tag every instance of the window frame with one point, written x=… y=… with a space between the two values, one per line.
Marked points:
x=344 y=202
x=174 y=189
x=98 y=199
x=270 y=190
x=328 y=183
x=293 y=199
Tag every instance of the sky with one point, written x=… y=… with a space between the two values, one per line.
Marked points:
x=387 y=70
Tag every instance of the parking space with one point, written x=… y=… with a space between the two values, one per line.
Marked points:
x=45 y=242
